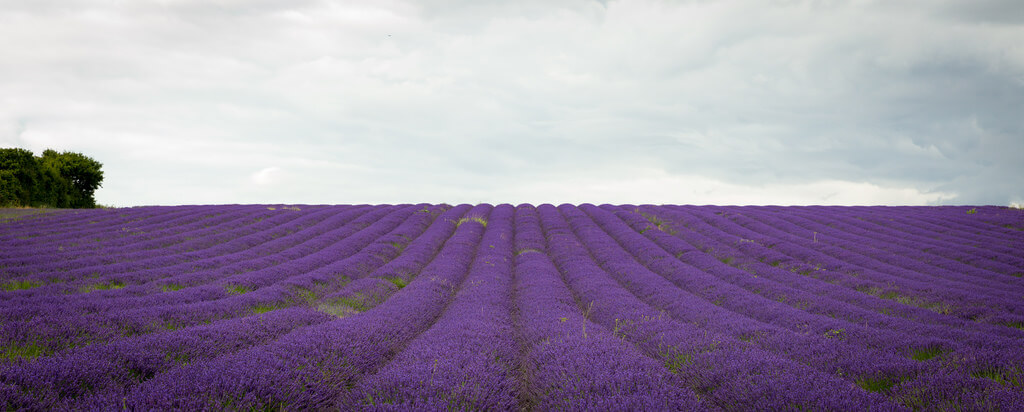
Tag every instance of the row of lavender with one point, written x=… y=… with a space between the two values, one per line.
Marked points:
x=502 y=307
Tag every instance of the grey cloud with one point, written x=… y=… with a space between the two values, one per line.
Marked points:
x=1008 y=12
x=466 y=96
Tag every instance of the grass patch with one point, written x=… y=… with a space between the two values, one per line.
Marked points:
x=992 y=374
x=397 y=281
x=752 y=336
x=237 y=289
x=1018 y=325
x=476 y=219
x=12 y=351
x=310 y=296
x=344 y=306
x=658 y=223
x=521 y=251
x=926 y=353
x=265 y=308
x=839 y=334
x=676 y=362
x=313 y=294
x=937 y=307
x=21 y=284
x=180 y=358
x=400 y=247
x=22 y=212
x=114 y=284
x=171 y=287
x=972 y=211
x=357 y=302
x=172 y=325
x=876 y=384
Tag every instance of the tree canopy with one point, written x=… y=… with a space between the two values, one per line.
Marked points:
x=55 y=179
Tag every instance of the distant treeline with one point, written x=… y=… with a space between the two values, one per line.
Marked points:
x=55 y=179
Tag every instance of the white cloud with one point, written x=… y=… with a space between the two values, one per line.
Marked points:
x=658 y=187
x=267 y=176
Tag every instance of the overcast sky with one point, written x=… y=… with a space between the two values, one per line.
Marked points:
x=690 y=102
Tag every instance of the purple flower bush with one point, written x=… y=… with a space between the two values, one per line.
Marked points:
x=502 y=307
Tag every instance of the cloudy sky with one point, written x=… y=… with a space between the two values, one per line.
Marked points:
x=385 y=101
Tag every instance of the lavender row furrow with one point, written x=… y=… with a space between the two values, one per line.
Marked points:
x=744 y=249
x=70 y=222
x=864 y=354
x=363 y=293
x=167 y=256
x=99 y=376
x=40 y=255
x=817 y=292
x=467 y=359
x=25 y=304
x=75 y=329
x=867 y=273
x=694 y=292
x=431 y=307
x=173 y=239
x=955 y=229
x=568 y=361
x=888 y=258
x=56 y=238
x=925 y=256
x=958 y=228
x=315 y=366
x=730 y=373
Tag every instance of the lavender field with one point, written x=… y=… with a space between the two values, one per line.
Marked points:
x=513 y=308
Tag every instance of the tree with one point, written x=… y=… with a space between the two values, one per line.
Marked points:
x=9 y=188
x=19 y=178
x=81 y=172
x=64 y=179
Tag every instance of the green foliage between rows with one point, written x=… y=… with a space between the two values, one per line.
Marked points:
x=20 y=285
x=12 y=351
